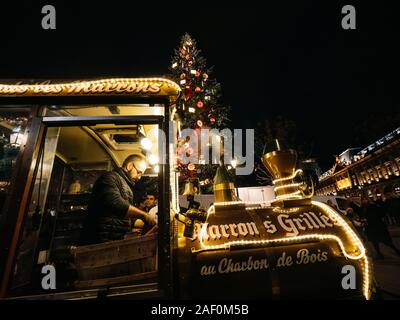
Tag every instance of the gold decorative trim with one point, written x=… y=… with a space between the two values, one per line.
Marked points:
x=224 y=186
x=113 y=86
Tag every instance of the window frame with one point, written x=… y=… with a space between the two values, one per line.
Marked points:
x=27 y=167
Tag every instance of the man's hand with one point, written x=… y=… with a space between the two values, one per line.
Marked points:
x=150 y=220
x=140 y=214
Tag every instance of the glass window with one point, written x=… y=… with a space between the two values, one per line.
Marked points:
x=107 y=110
x=82 y=196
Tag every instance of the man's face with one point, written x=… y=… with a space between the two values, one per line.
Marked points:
x=150 y=201
x=136 y=169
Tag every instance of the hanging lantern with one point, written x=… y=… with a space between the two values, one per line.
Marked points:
x=200 y=104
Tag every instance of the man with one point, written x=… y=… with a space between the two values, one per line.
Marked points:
x=112 y=203
x=150 y=201
x=150 y=206
x=376 y=230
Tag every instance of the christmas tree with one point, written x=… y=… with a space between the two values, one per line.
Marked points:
x=199 y=107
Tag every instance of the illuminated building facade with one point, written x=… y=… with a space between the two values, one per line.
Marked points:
x=371 y=171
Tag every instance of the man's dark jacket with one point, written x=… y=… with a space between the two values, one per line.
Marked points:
x=111 y=196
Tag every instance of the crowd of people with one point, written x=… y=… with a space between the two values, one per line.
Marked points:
x=370 y=219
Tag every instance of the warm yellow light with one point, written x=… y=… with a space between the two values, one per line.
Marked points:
x=146 y=143
x=288 y=178
x=157 y=169
x=358 y=255
x=152 y=159
x=234 y=163
x=287 y=186
x=70 y=87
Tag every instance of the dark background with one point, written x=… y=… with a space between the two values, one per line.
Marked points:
x=292 y=58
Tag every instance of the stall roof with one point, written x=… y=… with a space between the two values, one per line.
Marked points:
x=147 y=87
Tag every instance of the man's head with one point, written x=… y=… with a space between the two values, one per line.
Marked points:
x=135 y=165
x=151 y=200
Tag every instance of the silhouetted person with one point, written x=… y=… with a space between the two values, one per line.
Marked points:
x=376 y=230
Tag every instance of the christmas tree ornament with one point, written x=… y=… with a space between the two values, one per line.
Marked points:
x=189 y=151
x=187 y=57
x=200 y=104
x=183 y=81
x=190 y=63
x=205 y=75
x=188 y=93
x=174 y=65
x=191 y=167
x=193 y=71
x=197 y=90
x=183 y=76
x=212 y=120
x=198 y=74
x=199 y=123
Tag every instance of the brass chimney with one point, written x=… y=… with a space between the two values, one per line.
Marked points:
x=189 y=189
x=224 y=188
x=281 y=163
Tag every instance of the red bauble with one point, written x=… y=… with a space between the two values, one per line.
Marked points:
x=188 y=93
x=197 y=73
x=197 y=90
x=200 y=104
x=212 y=120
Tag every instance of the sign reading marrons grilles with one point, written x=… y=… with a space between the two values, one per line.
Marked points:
x=114 y=86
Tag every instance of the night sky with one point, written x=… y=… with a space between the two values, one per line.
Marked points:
x=293 y=58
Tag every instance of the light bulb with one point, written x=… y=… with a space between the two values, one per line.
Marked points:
x=153 y=159
x=146 y=143
x=234 y=163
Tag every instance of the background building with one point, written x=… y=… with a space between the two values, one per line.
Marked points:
x=370 y=171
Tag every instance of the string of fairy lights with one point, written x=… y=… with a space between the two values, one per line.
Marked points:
x=359 y=254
